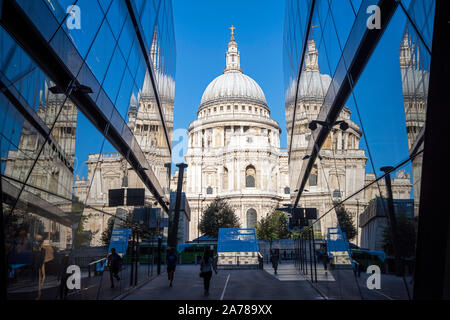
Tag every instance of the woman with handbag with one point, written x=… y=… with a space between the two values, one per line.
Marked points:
x=206 y=266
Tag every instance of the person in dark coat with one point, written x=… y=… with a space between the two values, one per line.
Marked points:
x=114 y=263
x=207 y=265
x=275 y=259
x=171 y=261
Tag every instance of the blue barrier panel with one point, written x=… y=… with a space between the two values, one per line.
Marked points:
x=119 y=241
x=337 y=242
x=237 y=240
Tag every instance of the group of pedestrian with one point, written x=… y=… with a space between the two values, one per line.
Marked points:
x=207 y=265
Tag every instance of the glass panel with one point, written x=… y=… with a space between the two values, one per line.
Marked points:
x=91 y=17
x=57 y=168
x=99 y=56
x=384 y=115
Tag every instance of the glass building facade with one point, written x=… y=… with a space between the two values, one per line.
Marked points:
x=357 y=77
x=86 y=105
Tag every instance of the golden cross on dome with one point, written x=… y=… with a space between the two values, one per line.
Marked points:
x=312 y=30
x=232 y=32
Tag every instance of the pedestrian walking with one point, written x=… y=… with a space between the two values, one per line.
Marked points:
x=206 y=266
x=114 y=263
x=275 y=259
x=325 y=258
x=171 y=261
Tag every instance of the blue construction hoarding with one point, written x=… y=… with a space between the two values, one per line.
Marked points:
x=237 y=240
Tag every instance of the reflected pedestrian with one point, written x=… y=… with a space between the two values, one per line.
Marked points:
x=275 y=259
x=38 y=256
x=171 y=261
x=325 y=258
x=114 y=263
x=206 y=266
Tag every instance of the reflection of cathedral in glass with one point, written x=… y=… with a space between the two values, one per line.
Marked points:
x=415 y=78
x=110 y=170
x=340 y=169
x=48 y=169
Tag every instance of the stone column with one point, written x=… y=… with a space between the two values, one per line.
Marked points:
x=346 y=141
x=238 y=173
x=219 y=179
x=339 y=142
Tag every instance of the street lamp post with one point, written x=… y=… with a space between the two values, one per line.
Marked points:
x=357 y=222
x=392 y=220
x=173 y=237
x=198 y=217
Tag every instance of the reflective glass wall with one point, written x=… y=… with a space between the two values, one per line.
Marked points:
x=355 y=112
x=87 y=106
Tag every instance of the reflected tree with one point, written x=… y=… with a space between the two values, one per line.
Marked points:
x=218 y=215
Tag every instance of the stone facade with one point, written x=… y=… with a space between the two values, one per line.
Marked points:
x=234 y=137
x=111 y=170
x=49 y=166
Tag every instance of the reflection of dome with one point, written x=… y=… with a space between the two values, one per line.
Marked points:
x=164 y=83
x=233 y=85
x=313 y=84
x=415 y=82
x=414 y=77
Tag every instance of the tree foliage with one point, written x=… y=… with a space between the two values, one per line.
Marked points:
x=217 y=215
x=81 y=237
x=406 y=235
x=274 y=226
x=106 y=234
x=345 y=220
x=141 y=230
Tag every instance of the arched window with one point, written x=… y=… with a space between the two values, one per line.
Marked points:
x=209 y=190
x=336 y=193
x=251 y=218
x=250 y=177
x=225 y=179
x=287 y=190
x=313 y=176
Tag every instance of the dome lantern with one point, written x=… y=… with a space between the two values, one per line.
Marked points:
x=233 y=85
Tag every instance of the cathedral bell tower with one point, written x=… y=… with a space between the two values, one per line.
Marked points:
x=232 y=55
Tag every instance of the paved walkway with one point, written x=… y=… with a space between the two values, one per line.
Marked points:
x=230 y=285
x=341 y=284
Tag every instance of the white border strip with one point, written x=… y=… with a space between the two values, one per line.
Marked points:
x=224 y=288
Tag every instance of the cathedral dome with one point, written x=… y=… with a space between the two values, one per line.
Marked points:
x=233 y=85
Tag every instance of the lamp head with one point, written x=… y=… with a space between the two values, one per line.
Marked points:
x=343 y=126
x=312 y=125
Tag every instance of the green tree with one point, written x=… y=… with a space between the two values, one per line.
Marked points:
x=82 y=237
x=406 y=235
x=346 y=222
x=274 y=226
x=106 y=234
x=141 y=230
x=217 y=215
